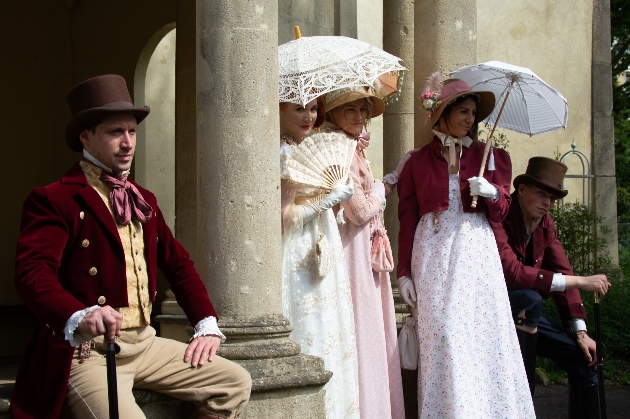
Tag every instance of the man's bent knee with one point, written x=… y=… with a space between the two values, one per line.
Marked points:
x=527 y=302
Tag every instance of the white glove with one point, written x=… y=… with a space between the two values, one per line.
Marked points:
x=407 y=290
x=392 y=178
x=340 y=193
x=480 y=186
x=378 y=189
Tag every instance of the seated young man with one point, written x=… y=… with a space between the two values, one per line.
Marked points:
x=536 y=267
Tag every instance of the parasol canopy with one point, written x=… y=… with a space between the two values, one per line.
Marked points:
x=315 y=65
x=530 y=105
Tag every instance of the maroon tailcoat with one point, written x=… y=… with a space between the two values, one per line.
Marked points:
x=423 y=188
x=52 y=276
x=536 y=271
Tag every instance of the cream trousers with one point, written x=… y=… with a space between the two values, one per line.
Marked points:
x=149 y=362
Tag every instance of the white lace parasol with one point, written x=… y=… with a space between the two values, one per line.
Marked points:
x=313 y=66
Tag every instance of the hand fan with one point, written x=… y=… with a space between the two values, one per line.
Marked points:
x=321 y=160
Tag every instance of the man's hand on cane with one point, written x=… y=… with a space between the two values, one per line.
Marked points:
x=588 y=347
x=100 y=321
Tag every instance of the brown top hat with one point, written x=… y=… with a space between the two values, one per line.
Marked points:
x=454 y=88
x=545 y=173
x=96 y=99
x=350 y=94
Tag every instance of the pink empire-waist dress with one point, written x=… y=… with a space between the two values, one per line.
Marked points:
x=380 y=382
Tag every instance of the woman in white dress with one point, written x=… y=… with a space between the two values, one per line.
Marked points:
x=319 y=308
x=470 y=364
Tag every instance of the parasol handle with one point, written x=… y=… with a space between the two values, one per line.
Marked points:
x=298 y=35
x=486 y=150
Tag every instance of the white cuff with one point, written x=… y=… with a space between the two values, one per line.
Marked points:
x=496 y=196
x=207 y=327
x=73 y=323
x=391 y=178
x=558 y=283
x=577 y=324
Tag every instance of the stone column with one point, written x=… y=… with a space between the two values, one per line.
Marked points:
x=238 y=205
x=398 y=119
x=605 y=183
x=173 y=321
x=445 y=40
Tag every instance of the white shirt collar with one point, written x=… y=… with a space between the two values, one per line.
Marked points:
x=97 y=163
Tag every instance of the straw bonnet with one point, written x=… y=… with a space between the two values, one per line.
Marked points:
x=350 y=94
x=454 y=88
x=96 y=99
x=545 y=173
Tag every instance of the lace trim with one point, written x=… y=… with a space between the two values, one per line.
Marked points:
x=208 y=327
x=289 y=139
x=73 y=323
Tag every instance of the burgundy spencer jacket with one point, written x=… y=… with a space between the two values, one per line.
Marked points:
x=423 y=188
x=548 y=257
x=52 y=277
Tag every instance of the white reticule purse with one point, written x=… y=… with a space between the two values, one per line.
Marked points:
x=408 y=342
x=324 y=252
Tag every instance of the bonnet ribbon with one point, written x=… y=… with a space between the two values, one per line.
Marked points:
x=126 y=200
x=451 y=142
x=363 y=140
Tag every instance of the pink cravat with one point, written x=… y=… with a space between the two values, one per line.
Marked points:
x=126 y=199
x=363 y=140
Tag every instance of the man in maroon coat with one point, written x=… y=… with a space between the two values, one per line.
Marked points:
x=536 y=267
x=87 y=255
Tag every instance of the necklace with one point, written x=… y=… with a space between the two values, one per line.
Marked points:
x=289 y=140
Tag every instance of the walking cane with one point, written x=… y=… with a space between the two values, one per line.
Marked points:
x=600 y=360
x=112 y=387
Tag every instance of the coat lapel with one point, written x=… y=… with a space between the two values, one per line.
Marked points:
x=93 y=201
x=515 y=227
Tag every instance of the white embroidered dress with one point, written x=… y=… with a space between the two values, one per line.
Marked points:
x=470 y=365
x=320 y=310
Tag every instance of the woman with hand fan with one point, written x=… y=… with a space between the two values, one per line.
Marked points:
x=348 y=111
x=470 y=364
x=316 y=293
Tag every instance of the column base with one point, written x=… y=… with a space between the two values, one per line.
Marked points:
x=285 y=382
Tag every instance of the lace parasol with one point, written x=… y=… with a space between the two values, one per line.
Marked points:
x=313 y=66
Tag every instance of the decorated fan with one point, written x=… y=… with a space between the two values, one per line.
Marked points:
x=321 y=160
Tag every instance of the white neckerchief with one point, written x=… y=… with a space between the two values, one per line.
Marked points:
x=451 y=142
x=97 y=163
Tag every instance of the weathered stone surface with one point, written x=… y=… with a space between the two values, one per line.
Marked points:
x=541 y=377
x=445 y=38
x=238 y=198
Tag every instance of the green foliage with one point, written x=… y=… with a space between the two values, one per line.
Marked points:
x=575 y=226
x=622 y=163
x=620 y=51
x=499 y=139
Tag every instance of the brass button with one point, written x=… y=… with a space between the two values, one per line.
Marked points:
x=85 y=243
x=536 y=261
x=101 y=300
x=520 y=259
x=93 y=271
x=81 y=215
x=48 y=326
x=540 y=276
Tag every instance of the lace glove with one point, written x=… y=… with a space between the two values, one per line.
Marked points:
x=480 y=186
x=407 y=290
x=340 y=193
x=392 y=178
x=378 y=189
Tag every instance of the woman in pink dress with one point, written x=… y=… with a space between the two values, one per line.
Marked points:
x=380 y=383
